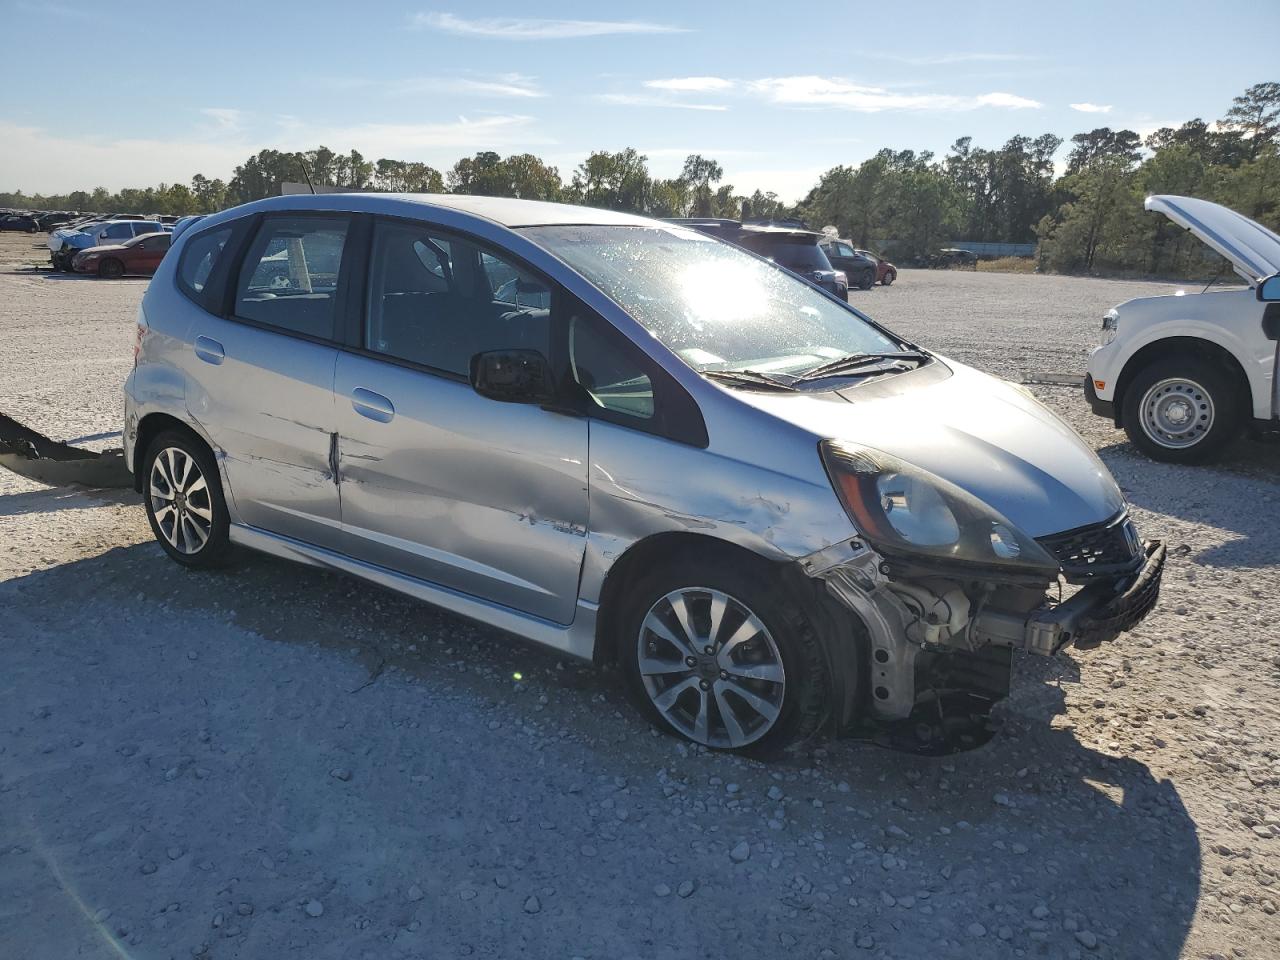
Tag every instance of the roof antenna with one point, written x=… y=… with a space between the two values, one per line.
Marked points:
x=303 y=163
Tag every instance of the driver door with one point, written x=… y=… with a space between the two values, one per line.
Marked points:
x=438 y=482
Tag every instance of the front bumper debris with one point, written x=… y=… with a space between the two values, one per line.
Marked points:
x=1097 y=614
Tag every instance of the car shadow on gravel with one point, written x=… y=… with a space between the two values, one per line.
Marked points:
x=53 y=499
x=1223 y=496
x=1040 y=840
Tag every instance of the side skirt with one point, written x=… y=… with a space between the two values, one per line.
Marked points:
x=577 y=639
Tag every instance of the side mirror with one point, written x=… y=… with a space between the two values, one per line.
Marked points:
x=1269 y=289
x=513 y=376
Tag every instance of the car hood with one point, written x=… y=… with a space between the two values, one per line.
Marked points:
x=980 y=433
x=1254 y=251
x=105 y=248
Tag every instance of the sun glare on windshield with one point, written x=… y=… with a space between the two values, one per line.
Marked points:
x=720 y=292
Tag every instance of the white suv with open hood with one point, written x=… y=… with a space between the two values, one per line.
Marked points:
x=1184 y=374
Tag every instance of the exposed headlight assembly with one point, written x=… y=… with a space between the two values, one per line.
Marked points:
x=905 y=510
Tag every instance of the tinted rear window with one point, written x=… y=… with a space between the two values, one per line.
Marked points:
x=797 y=255
x=199 y=257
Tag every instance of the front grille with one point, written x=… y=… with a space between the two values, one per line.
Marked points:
x=1098 y=550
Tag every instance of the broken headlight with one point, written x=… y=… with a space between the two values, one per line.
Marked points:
x=903 y=509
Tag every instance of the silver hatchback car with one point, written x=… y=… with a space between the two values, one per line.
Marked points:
x=632 y=443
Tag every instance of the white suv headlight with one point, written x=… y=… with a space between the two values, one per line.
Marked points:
x=1110 y=324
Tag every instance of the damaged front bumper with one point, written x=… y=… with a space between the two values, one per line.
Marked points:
x=940 y=640
x=1096 y=614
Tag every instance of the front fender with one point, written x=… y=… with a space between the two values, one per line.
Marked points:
x=1115 y=361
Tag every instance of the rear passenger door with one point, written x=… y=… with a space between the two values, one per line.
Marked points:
x=438 y=482
x=262 y=383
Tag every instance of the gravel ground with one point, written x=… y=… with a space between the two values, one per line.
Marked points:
x=272 y=761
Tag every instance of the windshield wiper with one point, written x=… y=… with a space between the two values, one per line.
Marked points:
x=856 y=361
x=748 y=378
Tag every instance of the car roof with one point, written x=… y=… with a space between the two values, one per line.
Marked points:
x=502 y=210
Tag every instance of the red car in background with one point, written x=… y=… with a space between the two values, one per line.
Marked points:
x=886 y=272
x=139 y=255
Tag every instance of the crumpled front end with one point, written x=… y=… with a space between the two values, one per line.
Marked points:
x=941 y=636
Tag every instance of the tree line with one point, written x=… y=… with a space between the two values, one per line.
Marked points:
x=1086 y=215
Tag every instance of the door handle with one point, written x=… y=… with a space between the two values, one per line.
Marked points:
x=209 y=350
x=372 y=405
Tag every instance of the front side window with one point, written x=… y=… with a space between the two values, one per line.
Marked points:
x=607 y=370
x=289 y=278
x=709 y=302
x=437 y=300
x=199 y=257
x=117 y=231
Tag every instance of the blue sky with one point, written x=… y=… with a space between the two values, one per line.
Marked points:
x=130 y=95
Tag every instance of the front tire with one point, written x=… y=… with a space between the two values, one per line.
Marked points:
x=868 y=280
x=111 y=269
x=718 y=654
x=888 y=278
x=1181 y=410
x=184 y=501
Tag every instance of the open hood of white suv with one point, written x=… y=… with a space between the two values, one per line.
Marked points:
x=1252 y=249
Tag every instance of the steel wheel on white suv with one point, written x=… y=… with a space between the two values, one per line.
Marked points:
x=1181 y=410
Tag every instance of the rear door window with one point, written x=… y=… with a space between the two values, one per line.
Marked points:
x=289 y=277
x=199 y=257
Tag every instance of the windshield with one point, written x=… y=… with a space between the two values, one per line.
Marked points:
x=715 y=306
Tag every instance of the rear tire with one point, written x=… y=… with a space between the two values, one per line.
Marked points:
x=184 y=502
x=111 y=269
x=1181 y=410
x=762 y=686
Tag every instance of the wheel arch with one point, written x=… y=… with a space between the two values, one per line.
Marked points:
x=1197 y=348
x=150 y=427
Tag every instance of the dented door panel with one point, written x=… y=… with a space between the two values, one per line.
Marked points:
x=268 y=406
x=447 y=486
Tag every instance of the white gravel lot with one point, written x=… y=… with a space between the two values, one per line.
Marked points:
x=271 y=761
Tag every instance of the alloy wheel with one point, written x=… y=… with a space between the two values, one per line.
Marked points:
x=180 y=502
x=711 y=668
x=1177 y=413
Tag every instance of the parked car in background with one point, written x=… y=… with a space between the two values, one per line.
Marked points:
x=774 y=514
x=886 y=272
x=138 y=256
x=21 y=222
x=793 y=247
x=955 y=257
x=64 y=244
x=858 y=267
x=1185 y=374
x=48 y=221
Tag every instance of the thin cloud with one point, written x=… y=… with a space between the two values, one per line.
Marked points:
x=504 y=85
x=1091 y=107
x=521 y=28
x=691 y=84
x=812 y=91
x=225 y=119
x=640 y=100
x=943 y=59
